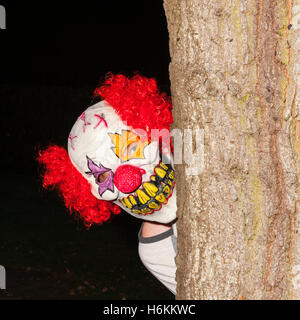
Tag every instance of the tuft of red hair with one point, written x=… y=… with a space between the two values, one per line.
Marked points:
x=137 y=101
x=60 y=173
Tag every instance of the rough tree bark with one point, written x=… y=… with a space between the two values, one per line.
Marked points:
x=234 y=73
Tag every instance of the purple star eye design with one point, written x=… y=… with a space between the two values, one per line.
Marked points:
x=103 y=176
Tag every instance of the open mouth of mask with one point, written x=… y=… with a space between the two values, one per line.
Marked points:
x=153 y=194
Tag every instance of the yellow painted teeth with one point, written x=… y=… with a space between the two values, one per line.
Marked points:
x=145 y=210
x=142 y=196
x=150 y=191
x=160 y=172
x=166 y=189
x=154 y=205
x=161 y=198
x=126 y=203
x=150 y=188
x=132 y=200
x=171 y=175
x=163 y=166
x=142 y=211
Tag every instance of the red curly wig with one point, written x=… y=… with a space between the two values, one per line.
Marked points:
x=138 y=102
x=76 y=191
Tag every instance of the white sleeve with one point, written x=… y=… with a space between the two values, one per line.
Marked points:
x=158 y=255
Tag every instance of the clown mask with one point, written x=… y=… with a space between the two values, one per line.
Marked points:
x=122 y=165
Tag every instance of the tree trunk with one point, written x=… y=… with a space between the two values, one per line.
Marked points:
x=235 y=73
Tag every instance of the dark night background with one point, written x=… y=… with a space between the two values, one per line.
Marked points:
x=53 y=55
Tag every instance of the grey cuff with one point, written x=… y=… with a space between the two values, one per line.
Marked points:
x=156 y=238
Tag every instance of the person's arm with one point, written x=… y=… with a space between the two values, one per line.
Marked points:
x=150 y=229
x=157 y=251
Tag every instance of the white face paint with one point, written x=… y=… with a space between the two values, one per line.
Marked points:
x=121 y=166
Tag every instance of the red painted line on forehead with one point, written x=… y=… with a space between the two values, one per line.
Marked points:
x=71 y=138
x=100 y=120
x=85 y=123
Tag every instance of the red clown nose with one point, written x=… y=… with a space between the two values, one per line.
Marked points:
x=128 y=178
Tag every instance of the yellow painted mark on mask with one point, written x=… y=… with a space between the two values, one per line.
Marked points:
x=160 y=172
x=150 y=188
x=154 y=205
x=132 y=200
x=142 y=196
x=161 y=198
